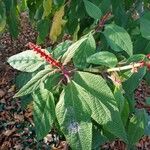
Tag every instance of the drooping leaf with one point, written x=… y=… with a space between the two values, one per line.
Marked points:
x=92 y=10
x=118 y=38
x=86 y=49
x=145 y=25
x=57 y=24
x=98 y=138
x=34 y=83
x=103 y=58
x=47 y=5
x=136 y=128
x=125 y=112
x=12 y=17
x=20 y=81
x=44 y=111
x=72 y=50
x=74 y=118
x=42 y=24
x=103 y=104
x=27 y=61
x=132 y=83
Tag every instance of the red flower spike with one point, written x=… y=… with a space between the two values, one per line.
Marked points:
x=148 y=66
x=148 y=56
x=47 y=57
x=142 y=63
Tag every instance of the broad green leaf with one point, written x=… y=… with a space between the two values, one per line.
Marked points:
x=103 y=104
x=136 y=128
x=57 y=24
x=86 y=49
x=143 y=48
x=145 y=25
x=125 y=113
x=52 y=81
x=98 y=139
x=20 y=81
x=74 y=119
x=105 y=5
x=47 y=5
x=42 y=24
x=118 y=38
x=27 y=61
x=44 y=111
x=12 y=17
x=34 y=83
x=132 y=83
x=72 y=50
x=61 y=49
x=103 y=58
x=119 y=12
x=92 y=10
x=2 y=16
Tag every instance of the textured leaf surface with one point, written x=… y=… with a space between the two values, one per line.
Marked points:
x=103 y=58
x=72 y=50
x=86 y=49
x=92 y=10
x=34 y=83
x=132 y=83
x=52 y=81
x=74 y=119
x=61 y=49
x=57 y=24
x=27 y=61
x=118 y=38
x=145 y=25
x=44 y=111
x=103 y=104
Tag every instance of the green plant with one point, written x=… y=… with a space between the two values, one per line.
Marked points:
x=87 y=85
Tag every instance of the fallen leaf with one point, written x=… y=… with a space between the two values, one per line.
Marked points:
x=9 y=132
x=2 y=93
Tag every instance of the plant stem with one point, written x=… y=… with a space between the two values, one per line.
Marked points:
x=131 y=66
